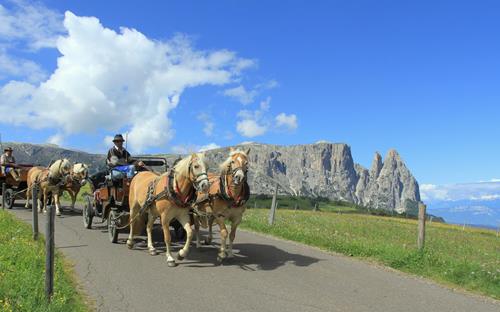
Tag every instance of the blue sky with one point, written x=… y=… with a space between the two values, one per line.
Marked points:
x=421 y=77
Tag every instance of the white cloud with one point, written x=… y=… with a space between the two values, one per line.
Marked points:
x=481 y=191
x=241 y=94
x=30 y=23
x=250 y=128
x=109 y=80
x=474 y=209
x=208 y=147
x=431 y=191
x=56 y=139
x=26 y=27
x=19 y=68
x=286 y=121
x=192 y=148
x=245 y=96
x=254 y=123
x=208 y=123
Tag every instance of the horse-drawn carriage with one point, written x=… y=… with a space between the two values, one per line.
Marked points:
x=109 y=197
x=14 y=189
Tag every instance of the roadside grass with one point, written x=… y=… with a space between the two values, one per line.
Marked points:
x=22 y=266
x=467 y=258
x=80 y=197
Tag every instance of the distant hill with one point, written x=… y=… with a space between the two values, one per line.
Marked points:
x=316 y=170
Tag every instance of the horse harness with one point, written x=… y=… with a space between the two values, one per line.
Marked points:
x=170 y=192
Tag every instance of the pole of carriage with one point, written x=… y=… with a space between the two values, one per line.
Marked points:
x=273 y=206
x=421 y=226
x=49 y=257
x=34 y=209
x=4 y=187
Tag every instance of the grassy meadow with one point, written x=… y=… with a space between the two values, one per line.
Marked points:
x=469 y=258
x=22 y=266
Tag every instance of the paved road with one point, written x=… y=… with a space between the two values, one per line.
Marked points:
x=267 y=275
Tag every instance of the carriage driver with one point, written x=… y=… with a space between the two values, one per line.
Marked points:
x=8 y=163
x=120 y=161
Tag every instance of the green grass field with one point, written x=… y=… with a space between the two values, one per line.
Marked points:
x=467 y=258
x=22 y=265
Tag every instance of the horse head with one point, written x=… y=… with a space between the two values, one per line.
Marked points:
x=198 y=172
x=236 y=165
x=80 y=173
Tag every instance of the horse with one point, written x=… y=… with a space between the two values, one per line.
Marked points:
x=78 y=178
x=49 y=180
x=168 y=196
x=228 y=194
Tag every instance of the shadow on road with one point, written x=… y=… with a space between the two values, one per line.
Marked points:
x=248 y=256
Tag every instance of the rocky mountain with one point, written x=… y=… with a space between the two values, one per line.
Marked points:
x=322 y=169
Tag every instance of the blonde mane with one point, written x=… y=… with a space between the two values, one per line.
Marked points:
x=79 y=168
x=225 y=165
x=58 y=166
x=182 y=166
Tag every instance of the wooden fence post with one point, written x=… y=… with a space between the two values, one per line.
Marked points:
x=421 y=226
x=34 y=208
x=3 y=195
x=49 y=255
x=273 y=206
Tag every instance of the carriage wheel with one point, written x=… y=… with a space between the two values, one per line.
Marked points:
x=88 y=213
x=9 y=198
x=112 y=230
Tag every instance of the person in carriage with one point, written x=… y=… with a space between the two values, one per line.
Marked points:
x=120 y=162
x=8 y=164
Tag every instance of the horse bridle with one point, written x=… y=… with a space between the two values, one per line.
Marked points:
x=233 y=171
x=196 y=180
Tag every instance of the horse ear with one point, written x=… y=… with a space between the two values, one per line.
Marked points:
x=248 y=151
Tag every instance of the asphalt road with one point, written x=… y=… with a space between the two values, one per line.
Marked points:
x=266 y=275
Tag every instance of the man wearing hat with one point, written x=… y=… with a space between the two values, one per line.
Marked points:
x=120 y=161
x=8 y=163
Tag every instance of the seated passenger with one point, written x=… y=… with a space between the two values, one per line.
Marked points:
x=8 y=163
x=120 y=161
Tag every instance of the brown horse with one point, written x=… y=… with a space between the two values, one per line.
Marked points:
x=228 y=194
x=49 y=180
x=78 y=178
x=168 y=196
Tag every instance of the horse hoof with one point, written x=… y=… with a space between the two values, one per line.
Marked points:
x=153 y=252
x=130 y=246
x=179 y=257
x=171 y=264
x=58 y=214
x=220 y=259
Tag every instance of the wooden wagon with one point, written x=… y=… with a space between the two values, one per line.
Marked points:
x=13 y=189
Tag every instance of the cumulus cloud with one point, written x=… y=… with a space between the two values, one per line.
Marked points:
x=253 y=123
x=246 y=96
x=113 y=80
x=250 y=128
x=481 y=191
x=285 y=121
